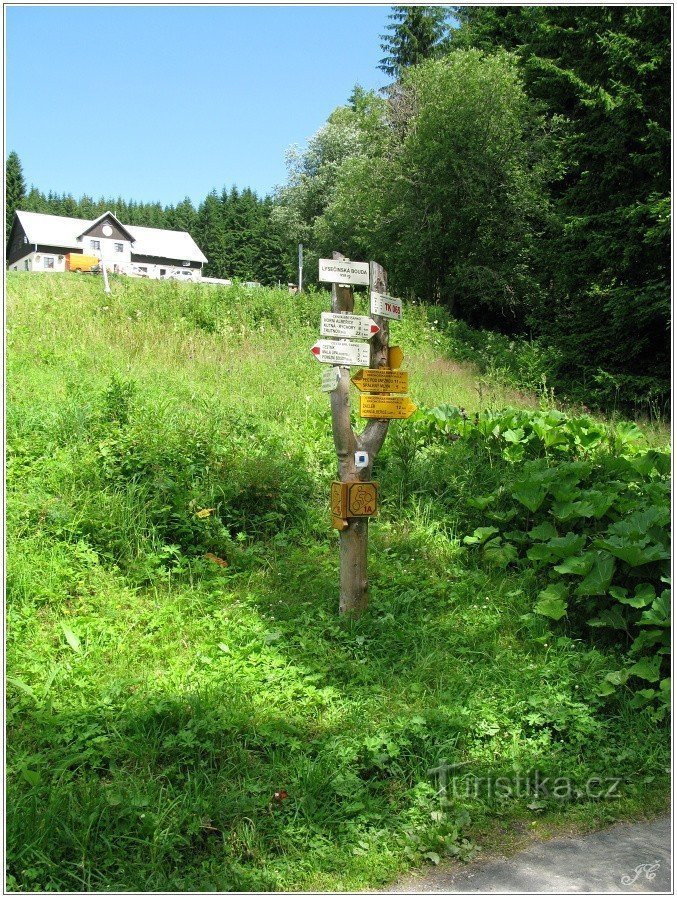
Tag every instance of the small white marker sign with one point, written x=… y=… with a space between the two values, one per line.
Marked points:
x=341 y=352
x=330 y=379
x=386 y=306
x=334 y=271
x=333 y=324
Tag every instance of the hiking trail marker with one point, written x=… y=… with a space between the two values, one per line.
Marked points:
x=343 y=271
x=341 y=352
x=386 y=306
x=386 y=406
x=345 y=326
x=354 y=496
x=381 y=380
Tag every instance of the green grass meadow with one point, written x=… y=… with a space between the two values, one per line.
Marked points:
x=185 y=708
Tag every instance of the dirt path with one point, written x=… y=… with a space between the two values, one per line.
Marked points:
x=631 y=857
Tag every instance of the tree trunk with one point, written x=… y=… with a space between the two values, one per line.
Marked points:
x=354 y=582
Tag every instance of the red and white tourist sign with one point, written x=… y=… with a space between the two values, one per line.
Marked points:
x=342 y=324
x=386 y=306
x=341 y=352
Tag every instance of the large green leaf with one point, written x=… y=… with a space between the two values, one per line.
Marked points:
x=577 y=564
x=633 y=553
x=568 y=511
x=480 y=535
x=601 y=501
x=500 y=554
x=647 y=669
x=565 y=546
x=599 y=578
x=659 y=613
x=610 y=617
x=552 y=601
x=514 y=436
x=636 y=525
x=644 y=595
x=647 y=639
x=540 y=552
x=531 y=495
x=543 y=532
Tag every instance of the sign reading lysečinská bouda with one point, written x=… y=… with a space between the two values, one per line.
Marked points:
x=333 y=271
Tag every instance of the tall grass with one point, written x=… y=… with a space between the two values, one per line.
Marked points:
x=186 y=711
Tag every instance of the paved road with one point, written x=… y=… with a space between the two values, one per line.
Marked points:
x=631 y=857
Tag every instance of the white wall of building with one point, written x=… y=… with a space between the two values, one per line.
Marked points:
x=107 y=249
x=48 y=262
x=52 y=262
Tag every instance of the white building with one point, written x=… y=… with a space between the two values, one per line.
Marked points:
x=39 y=242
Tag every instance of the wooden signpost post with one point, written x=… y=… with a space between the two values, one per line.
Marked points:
x=354 y=496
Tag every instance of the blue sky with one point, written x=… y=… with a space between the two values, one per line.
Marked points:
x=158 y=103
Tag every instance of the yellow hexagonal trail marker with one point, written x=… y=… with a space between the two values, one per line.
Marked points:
x=353 y=500
x=362 y=499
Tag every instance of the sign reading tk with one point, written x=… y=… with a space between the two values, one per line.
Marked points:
x=336 y=271
x=386 y=306
x=341 y=352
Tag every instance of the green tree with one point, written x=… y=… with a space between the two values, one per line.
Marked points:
x=606 y=262
x=416 y=33
x=181 y=217
x=210 y=233
x=15 y=189
x=453 y=201
x=350 y=132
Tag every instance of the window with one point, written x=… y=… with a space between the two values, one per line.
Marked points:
x=186 y=264
x=26 y=264
x=95 y=244
x=48 y=262
x=119 y=247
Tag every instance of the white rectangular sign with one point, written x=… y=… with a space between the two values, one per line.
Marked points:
x=386 y=306
x=344 y=272
x=330 y=379
x=341 y=352
x=342 y=324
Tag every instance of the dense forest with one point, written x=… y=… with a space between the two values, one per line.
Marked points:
x=515 y=171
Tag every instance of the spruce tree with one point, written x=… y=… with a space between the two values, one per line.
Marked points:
x=15 y=187
x=416 y=33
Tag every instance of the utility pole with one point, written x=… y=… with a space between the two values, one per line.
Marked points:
x=300 y=268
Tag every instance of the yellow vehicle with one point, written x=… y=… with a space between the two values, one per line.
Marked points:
x=80 y=262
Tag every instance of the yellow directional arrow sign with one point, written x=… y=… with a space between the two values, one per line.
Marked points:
x=395 y=357
x=386 y=406
x=381 y=380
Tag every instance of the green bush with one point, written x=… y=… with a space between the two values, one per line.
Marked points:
x=585 y=505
